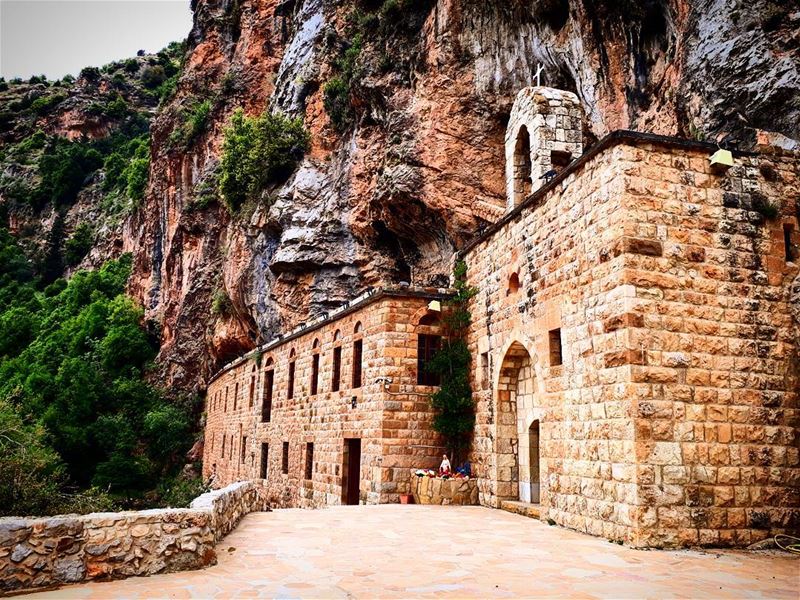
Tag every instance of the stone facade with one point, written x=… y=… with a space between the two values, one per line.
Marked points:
x=46 y=552
x=635 y=355
x=389 y=424
x=635 y=351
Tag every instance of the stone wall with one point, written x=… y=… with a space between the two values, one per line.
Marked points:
x=633 y=320
x=392 y=424
x=51 y=551
x=709 y=346
x=434 y=490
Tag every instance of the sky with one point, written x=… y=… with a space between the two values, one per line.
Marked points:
x=56 y=37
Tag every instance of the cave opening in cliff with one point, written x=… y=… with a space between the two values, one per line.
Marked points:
x=388 y=242
x=522 y=164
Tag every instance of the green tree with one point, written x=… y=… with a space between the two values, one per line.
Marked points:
x=71 y=367
x=453 y=402
x=79 y=244
x=31 y=473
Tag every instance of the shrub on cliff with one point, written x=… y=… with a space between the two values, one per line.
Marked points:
x=195 y=121
x=79 y=244
x=258 y=151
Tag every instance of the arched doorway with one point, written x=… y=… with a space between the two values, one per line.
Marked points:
x=517 y=434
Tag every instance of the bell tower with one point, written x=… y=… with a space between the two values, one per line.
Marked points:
x=544 y=134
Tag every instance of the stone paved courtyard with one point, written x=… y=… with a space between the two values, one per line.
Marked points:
x=395 y=551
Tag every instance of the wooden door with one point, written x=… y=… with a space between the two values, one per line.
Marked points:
x=351 y=471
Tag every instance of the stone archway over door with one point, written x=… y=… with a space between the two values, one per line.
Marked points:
x=515 y=401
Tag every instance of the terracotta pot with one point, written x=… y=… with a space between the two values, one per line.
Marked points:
x=406 y=499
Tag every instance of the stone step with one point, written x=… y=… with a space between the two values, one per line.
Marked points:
x=520 y=508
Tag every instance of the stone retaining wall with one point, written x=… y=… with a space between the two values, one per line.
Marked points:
x=432 y=490
x=50 y=551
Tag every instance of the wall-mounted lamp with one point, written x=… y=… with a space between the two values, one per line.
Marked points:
x=721 y=159
x=435 y=306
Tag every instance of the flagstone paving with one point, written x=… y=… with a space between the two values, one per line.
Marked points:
x=396 y=551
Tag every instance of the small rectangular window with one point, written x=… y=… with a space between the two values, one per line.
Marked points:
x=427 y=347
x=290 y=390
x=235 y=396
x=266 y=407
x=225 y=408
x=484 y=370
x=285 y=459
x=244 y=450
x=314 y=374
x=264 y=459
x=222 y=454
x=357 y=356
x=309 y=460
x=337 y=369
x=788 y=249
x=560 y=160
x=252 y=390
x=556 y=356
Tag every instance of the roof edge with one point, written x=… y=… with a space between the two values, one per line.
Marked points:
x=370 y=296
x=619 y=136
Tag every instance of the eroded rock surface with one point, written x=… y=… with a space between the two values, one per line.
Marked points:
x=420 y=170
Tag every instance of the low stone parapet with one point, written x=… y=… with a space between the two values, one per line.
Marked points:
x=50 y=551
x=228 y=505
x=435 y=490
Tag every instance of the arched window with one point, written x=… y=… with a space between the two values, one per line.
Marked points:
x=358 y=352
x=522 y=166
x=290 y=378
x=336 y=373
x=513 y=284
x=252 y=393
x=315 y=368
x=269 y=380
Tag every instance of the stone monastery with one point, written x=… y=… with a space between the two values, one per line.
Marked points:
x=635 y=357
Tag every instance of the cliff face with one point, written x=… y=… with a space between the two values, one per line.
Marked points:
x=417 y=168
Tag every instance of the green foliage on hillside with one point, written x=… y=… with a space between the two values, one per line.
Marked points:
x=256 y=152
x=79 y=244
x=127 y=167
x=63 y=168
x=453 y=402
x=72 y=357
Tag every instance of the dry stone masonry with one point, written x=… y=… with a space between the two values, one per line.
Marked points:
x=46 y=552
x=634 y=352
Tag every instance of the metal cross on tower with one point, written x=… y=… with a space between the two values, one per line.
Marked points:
x=539 y=71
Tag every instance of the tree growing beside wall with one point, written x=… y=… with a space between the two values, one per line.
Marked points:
x=453 y=402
